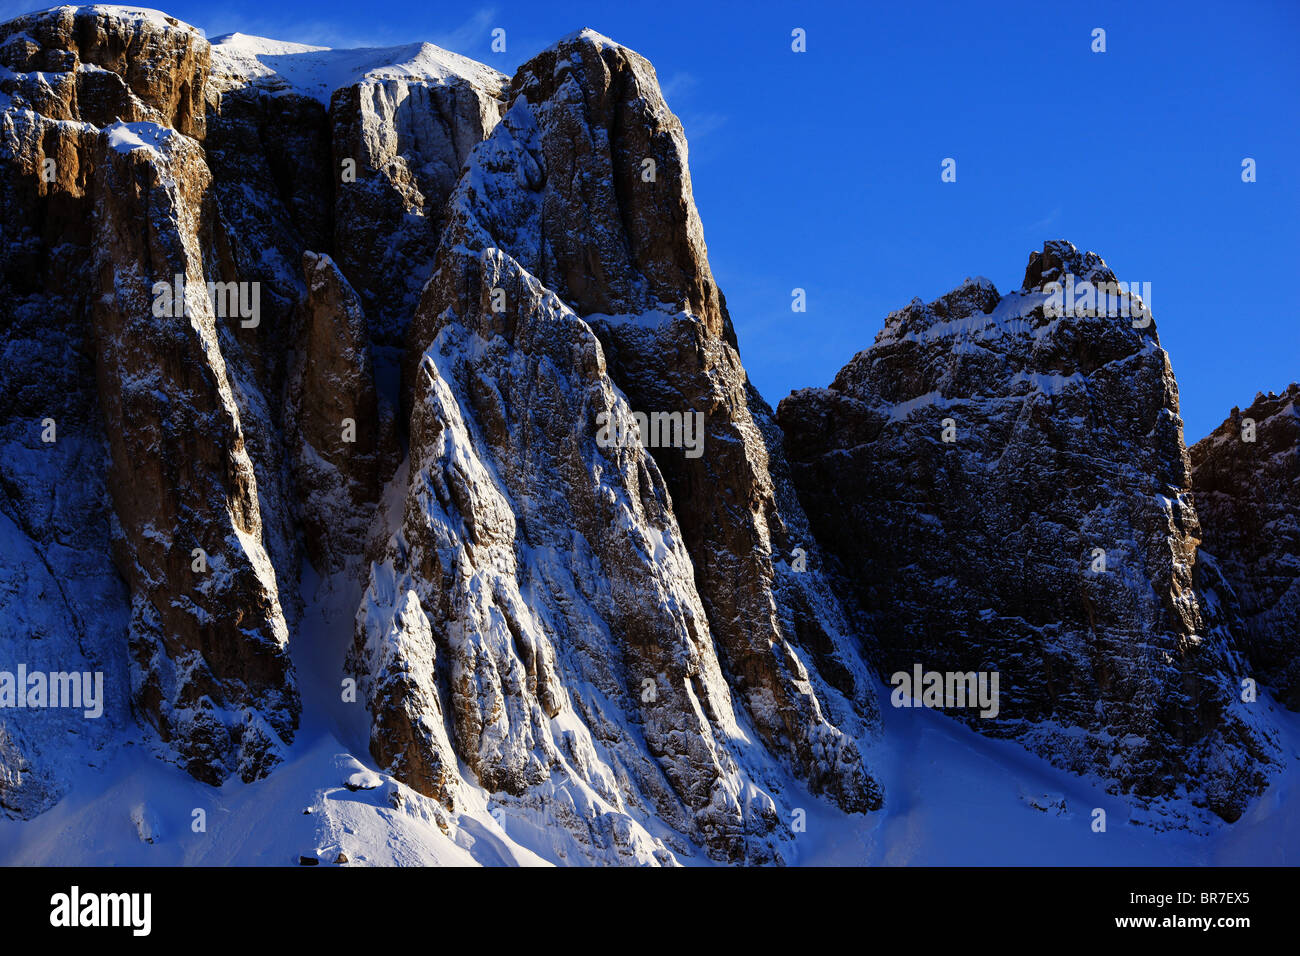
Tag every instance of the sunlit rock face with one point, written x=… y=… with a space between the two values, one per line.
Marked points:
x=572 y=583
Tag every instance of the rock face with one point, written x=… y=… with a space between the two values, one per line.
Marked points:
x=1246 y=475
x=208 y=634
x=344 y=438
x=550 y=566
x=193 y=443
x=95 y=65
x=1008 y=492
x=161 y=403
x=453 y=340
x=408 y=139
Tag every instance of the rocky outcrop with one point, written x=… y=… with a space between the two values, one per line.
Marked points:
x=124 y=208
x=344 y=437
x=554 y=581
x=1246 y=480
x=548 y=564
x=1008 y=491
x=586 y=183
x=361 y=171
x=62 y=605
x=101 y=65
x=408 y=140
x=134 y=162
x=208 y=634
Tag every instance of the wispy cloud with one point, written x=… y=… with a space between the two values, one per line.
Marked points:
x=1043 y=223
x=298 y=30
x=677 y=85
x=700 y=125
x=473 y=33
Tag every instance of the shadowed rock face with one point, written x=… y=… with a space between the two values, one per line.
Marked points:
x=62 y=604
x=983 y=552
x=1246 y=475
x=174 y=433
x=174 y=429
x=344 y=439
x=408 y=141
x=208 y=645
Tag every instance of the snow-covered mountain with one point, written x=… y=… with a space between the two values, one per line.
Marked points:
x=372 y=422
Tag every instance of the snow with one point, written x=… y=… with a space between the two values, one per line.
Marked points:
x=650 y=319
x=599 y=40
x=316 y=71
x=1050 y=384
x=122 y=12
x=953 y=797
x=128 y=137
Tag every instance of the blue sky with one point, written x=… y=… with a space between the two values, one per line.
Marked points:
x=821 y=170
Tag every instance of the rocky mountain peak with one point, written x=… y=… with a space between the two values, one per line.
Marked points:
x=1008 y=491
x=1246 y=475
x=1059 y=258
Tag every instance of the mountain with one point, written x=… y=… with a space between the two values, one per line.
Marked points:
x=374 y=428
x=1007 y=490
x=1246 y=475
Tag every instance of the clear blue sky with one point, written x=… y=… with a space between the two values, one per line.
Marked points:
x=821 y=169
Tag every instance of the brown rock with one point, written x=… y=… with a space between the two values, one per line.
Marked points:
x=980 y=553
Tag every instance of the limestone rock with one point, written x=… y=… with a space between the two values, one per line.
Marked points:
x=1009 y=492
x=563 y=185
x=1246 y=482
x=345 y=445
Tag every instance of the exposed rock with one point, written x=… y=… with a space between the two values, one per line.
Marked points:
x=100 y=65
x=982 y=552
x=345 y=446
x=562 y=185
x=152 y=423
x=551 y=577
x=62 y=604
x=210 y=668
x=408 y=140
x=1246 y=481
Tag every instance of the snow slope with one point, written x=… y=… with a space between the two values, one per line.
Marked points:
x=954 y=797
